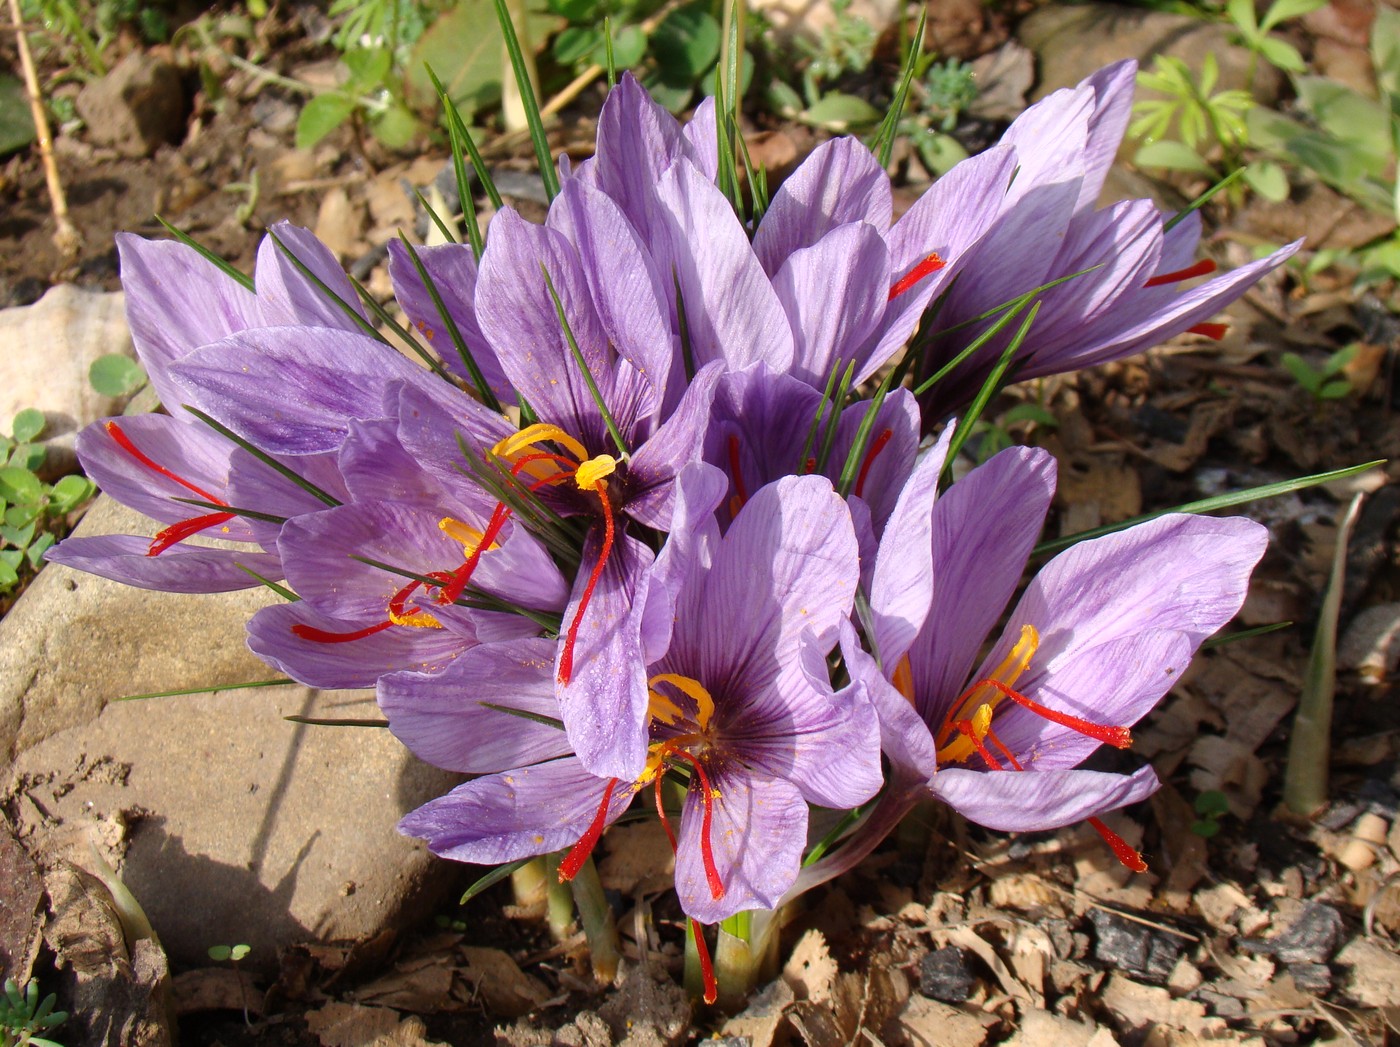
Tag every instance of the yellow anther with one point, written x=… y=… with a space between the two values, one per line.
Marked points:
x=960 y=746
x=589 y=473
x=1010 y=669
x=539 y=433
x=692 y=689
x=465 y=533
x=659 y=707
x=904 y=679
x=419 y=619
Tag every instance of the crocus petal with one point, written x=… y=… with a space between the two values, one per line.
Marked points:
x=605 y=700
x=904 y=736
x=438 y=424
x=177 y=301
x=901 y=588
x=731 y=311
x=182 y=568
x=452 y=270
x=984 y=527
x=293 y=390
x=516 y=814
x=757 y=835
x=447 y=718
x=353 y=663
x=699 y=131
x=840 y=182
x=678 y=442
x=1011 y=801
x=889 y=453
x=1050 y=139
x=289 y=296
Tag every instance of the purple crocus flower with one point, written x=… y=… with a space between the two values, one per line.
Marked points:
x=1099 y=636
x=1046 y=227
x=739 y=699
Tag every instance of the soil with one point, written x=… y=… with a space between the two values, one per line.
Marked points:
x=1251 y=928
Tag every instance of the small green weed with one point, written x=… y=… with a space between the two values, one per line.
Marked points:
x=1210 y=807
x=23 y=1015
x=1326 y=382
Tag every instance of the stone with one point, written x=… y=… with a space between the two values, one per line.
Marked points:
x=48 y=348
x=228 y=824
x=1372 y=973
x=1073 y=41
x=944 y=975
x=74 y=642
x=137 y=107
x=1312 y=937
x=1134 y=947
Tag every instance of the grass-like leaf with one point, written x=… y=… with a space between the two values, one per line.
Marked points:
x=531 y=104
x=278 y=682
x=990 y=388
x=492 y=878
x=262 y=456
x=608 y=419
x=882 y=144
x=222 y=264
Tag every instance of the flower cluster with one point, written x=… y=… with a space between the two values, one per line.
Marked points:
x=686 y=549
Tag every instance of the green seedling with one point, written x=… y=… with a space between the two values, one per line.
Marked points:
x=1210 y=807
x=23 y=1015
x=32 y=512
x=1326 y=382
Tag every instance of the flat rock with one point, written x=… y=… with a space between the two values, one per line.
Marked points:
x=48 y=348
x=74 y=642
x=137 y=107
x=1071 y=42
x=229 y=824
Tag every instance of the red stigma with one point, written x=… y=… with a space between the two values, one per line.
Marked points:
x=566 y=659
x=1118 y=737
x=177 y=532
x=707 y=854
x=931 y=263
x=964 y=727
x=661 y=813
x=740 y=491
x=124 y=442
x=876 y=447
x=1216 y=331
x=310 y=632
x=579 y=853
x=707 y=967
x=1119 y=846
x=1202 y=268
x=460 y=577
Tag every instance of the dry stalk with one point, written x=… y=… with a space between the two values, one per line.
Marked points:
x=66 y=236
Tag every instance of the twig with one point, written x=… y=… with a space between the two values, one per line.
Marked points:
x=66 y=236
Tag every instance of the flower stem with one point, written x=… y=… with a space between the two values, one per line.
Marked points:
x=744 y=956
x=598 y=924
x=559 y=899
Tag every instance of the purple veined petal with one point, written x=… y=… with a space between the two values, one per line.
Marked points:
x=984 y=527
x=834 y=295
x=1112 y=684
x=701 y=134
x=677 y=443
x=1180 y=243
x=447 y=718
x=288 y=296
x=177 y=301
x=377 y=467
x=731 y=310
x=888 y=459
x=1050 y=140
x=353 y=663
x=826 y=744
x=197 y=455
x=902 y=584
x=788 y=563
x=605 y=699
x=1106 y=612
x=904 y=736
x=866 y=543
x=690 y=547
x=637 y=140
x=436 y=422
x=626 y=290
x=839 y=183
x=1152 y=320
x=293 y=390
x=254 y=484
x=518 y=315
x=1113 y=106
x=515 y=814
x=757 y=833
x=452 y=268
x=182 y=568
x=1011 y=801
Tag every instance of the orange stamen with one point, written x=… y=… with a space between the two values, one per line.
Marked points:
x=707 y=967
x=876 y=446
x=566 y=659
x=1201 y=268
x=177 y=533
x=707 y=854
x=1118 y=737
x=930 y=264
x=1121 y=850
x=965 y=728
x=578 y=854
x=1216 y=331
